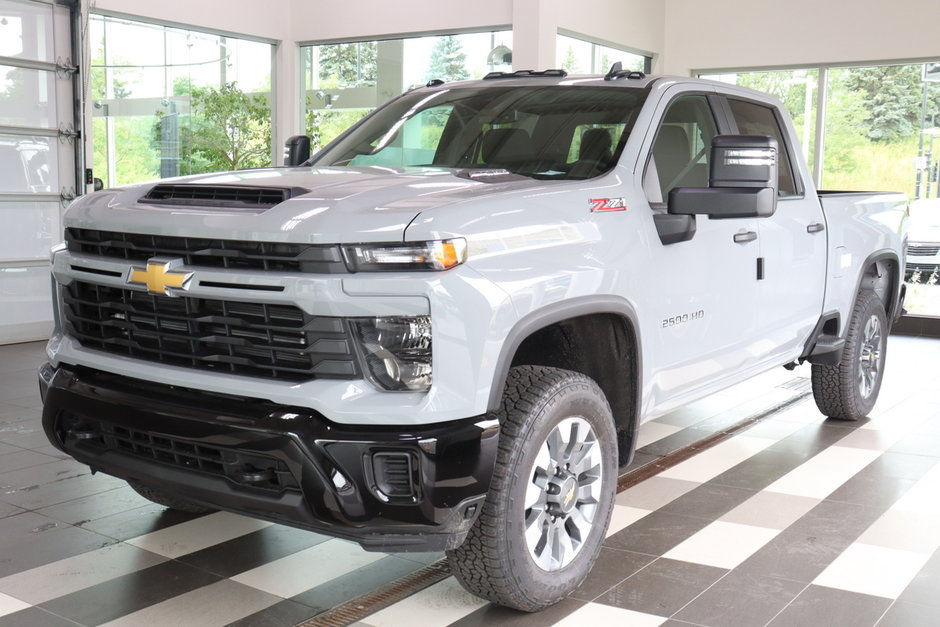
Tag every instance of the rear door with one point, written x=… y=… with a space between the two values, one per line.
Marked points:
x=792 y=245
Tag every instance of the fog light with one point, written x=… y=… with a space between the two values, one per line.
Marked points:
x=394 y=474
x=397 y=351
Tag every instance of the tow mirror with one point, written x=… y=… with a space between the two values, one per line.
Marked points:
x=296 y=150
x=742 y=180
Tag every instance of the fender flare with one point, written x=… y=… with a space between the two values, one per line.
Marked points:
x=558 y=312
x=896 y=301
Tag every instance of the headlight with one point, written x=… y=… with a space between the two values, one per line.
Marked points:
x=437 y=255
x=397 y=351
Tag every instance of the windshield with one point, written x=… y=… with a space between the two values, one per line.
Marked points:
x=553 y=132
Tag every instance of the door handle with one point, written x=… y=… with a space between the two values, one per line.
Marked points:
x=815 y=227
x=745 y=237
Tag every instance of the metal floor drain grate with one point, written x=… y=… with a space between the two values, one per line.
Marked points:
x=363 y=606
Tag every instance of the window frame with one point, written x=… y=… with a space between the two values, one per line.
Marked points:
x=799 y=189
x=720 y=115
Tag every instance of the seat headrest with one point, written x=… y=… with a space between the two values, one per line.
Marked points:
x=672 y=143
x=595 y=145
x=506 y=145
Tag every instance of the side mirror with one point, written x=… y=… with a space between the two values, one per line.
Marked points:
x=296 y=150
x=98 y=184
x=742 y=180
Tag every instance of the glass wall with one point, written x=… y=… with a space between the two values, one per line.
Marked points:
x=170 y=101
x=343 y=82
x=796 y=88
x=881 y=131
x=578 y=56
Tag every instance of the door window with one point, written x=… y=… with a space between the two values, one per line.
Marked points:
x=757 y=119
x=682 y=148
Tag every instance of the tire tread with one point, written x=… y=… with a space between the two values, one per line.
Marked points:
x=478 y=563
x=835 y=387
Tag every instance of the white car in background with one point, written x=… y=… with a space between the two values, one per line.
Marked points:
x=923 y=249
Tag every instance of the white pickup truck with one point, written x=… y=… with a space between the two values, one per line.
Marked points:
x=444 y=330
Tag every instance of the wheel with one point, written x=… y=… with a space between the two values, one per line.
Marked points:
x=161 y=498
x=848 y=390
x=551 y=496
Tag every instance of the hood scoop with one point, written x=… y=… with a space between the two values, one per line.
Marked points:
x=240 y=197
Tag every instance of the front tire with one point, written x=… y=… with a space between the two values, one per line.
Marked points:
x=551 y=496
x=848 y=390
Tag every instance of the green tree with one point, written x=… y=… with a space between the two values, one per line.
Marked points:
x=893 y=99
x=227 y=130
x=340 y=66
x=787 y=85
x=570 y=62
x=349 y=65
x=448 y=61
x=323 y=125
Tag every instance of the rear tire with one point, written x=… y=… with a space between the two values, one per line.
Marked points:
x=161 y=498
x=848 y=390
x=551 y=496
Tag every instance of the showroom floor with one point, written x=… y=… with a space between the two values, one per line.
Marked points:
x=793 y=520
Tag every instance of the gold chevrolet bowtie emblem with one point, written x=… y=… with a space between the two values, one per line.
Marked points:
x=160 y=276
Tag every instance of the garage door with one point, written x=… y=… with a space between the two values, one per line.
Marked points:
x=37 y=158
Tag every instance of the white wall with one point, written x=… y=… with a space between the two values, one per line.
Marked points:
x=634 y=24
x=323 y=20
x=751 y=33
x=269 y=19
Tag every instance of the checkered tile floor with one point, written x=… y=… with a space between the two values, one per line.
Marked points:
x=794 y=521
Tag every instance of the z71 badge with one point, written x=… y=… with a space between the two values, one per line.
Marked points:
x=599 y=205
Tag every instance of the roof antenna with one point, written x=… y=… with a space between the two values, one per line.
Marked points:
x=615 y=69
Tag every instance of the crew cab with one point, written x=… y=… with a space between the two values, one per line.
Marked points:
x=444 y=329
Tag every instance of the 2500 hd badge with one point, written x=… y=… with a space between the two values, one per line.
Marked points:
x=689 y=317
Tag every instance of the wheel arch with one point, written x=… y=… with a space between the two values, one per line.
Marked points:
x=596 y=336
x=882 y=274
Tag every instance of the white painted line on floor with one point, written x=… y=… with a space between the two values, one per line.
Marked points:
x=440 y=604
x=8 y=605
x=198 y=534
x=301 y=571
x=214 y=605
x=819 y=476
x=72 y=574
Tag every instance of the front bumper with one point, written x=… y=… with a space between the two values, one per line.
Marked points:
x=923 y=259
x=387 y=488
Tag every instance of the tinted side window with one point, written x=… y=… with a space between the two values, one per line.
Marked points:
x=756 y=119
x=682 y=148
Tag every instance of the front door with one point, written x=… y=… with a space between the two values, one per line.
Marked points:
x=702 y=292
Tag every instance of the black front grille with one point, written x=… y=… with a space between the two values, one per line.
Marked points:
x=247 y=469
x=925 y=269
x=228 y=196
x=252 y=339
x=916 y=250
x=215 y=253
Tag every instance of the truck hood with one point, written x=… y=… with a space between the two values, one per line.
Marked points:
x=326 y=205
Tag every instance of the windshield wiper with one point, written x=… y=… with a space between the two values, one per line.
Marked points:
x=490 y=175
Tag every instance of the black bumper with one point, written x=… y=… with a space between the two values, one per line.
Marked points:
x=389 y=489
